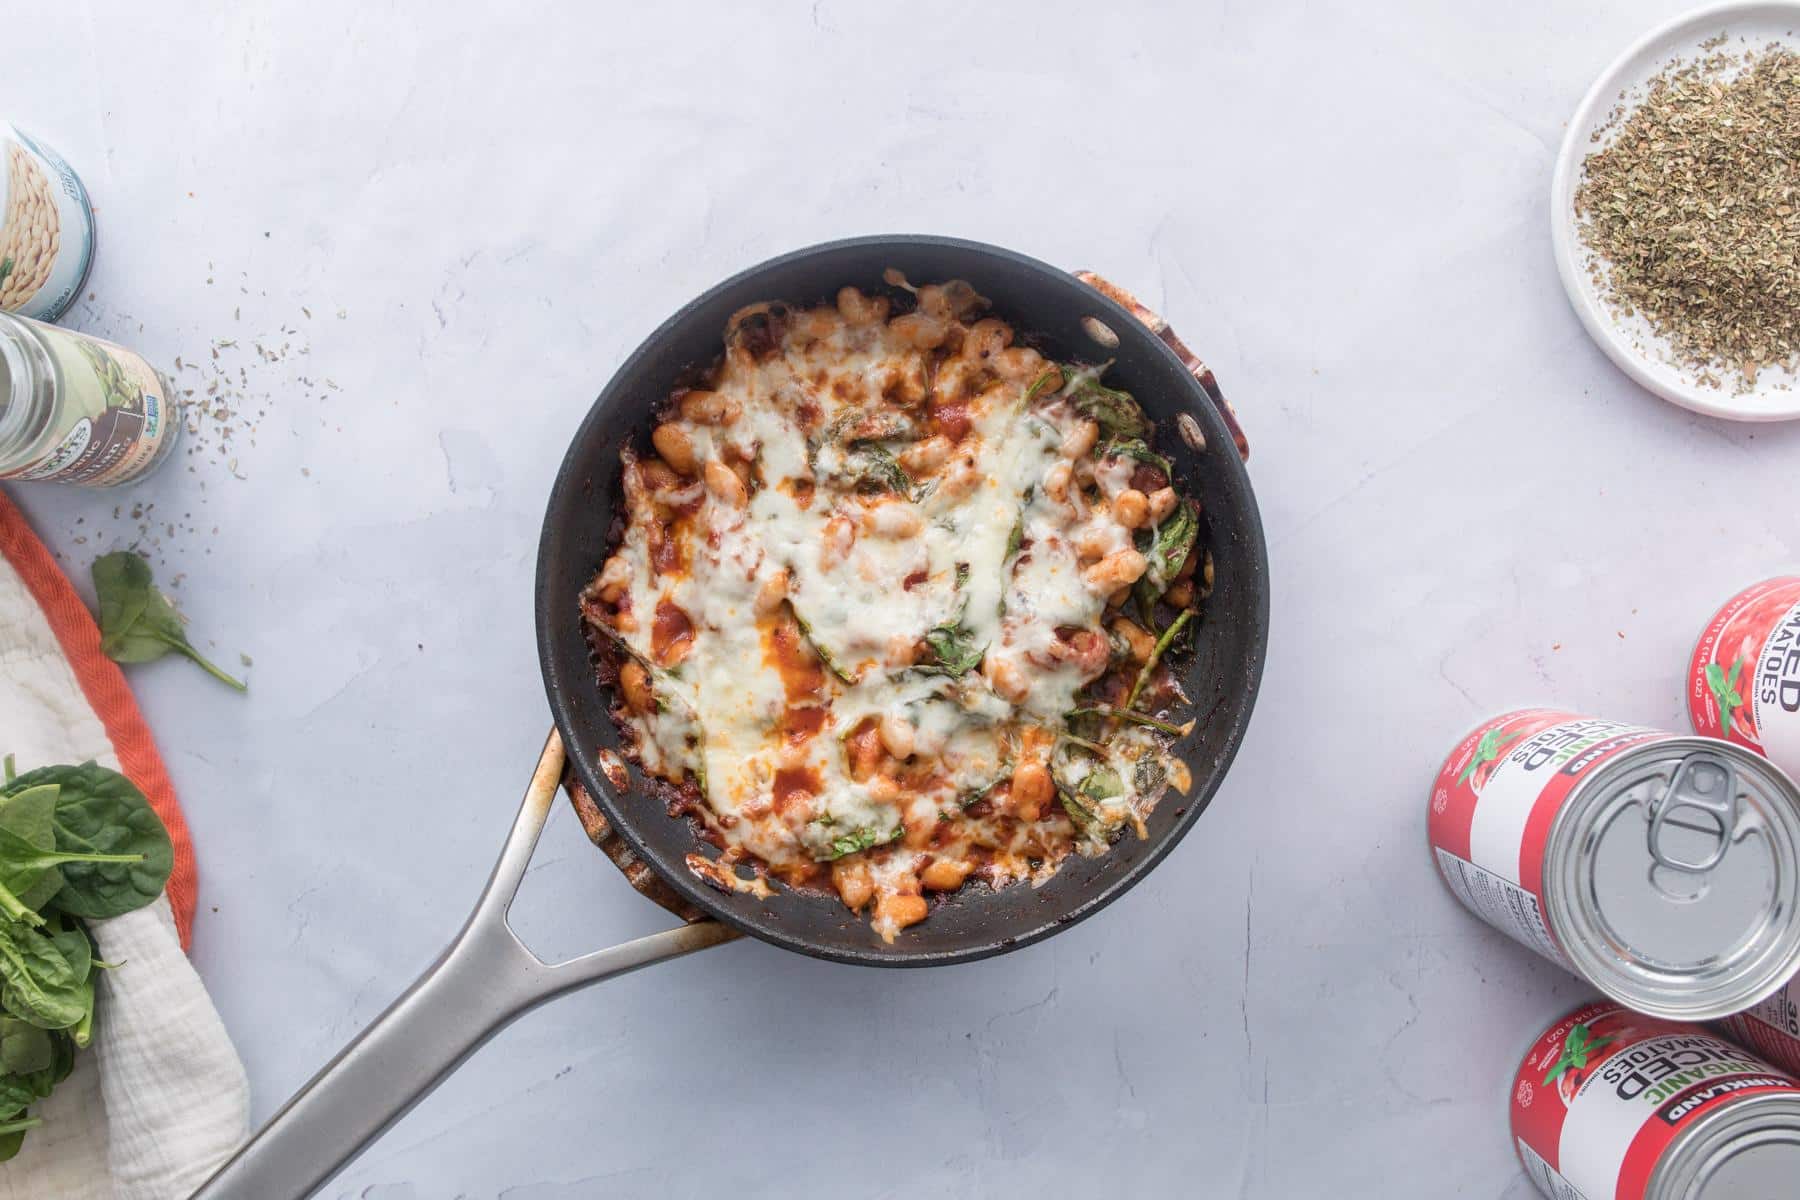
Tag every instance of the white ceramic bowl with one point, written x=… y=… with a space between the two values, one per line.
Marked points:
x=1628 y=341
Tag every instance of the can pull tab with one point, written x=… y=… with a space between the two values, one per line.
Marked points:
x=1704 y=782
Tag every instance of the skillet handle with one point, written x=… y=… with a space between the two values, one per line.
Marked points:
x=1196 y=366
x=485 y=980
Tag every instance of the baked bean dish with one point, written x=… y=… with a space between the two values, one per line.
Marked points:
x=889 y=603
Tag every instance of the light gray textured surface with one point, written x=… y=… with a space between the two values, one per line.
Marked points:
x=1342 y=206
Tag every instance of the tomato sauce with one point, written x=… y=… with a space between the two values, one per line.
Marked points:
x=795 y=787
x=785 y=649
x=953 y=421
x=671 y=633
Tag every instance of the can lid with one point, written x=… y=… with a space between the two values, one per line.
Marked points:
x=1679 y=871
x=1746 y=1151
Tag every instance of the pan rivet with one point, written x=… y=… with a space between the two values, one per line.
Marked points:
x=1190 y=432
x=1100 y=331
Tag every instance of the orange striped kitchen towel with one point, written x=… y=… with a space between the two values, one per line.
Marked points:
x=160 y=1099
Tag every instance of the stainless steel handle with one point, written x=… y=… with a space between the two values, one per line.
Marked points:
x=485 y=980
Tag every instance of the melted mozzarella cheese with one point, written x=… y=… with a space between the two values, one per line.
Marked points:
x=899 y=582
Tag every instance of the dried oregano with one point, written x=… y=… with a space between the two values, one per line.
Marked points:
x=1691 y=207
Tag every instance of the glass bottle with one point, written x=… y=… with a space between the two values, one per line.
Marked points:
x=76 y=409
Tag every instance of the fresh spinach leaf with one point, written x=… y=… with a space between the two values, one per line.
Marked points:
x=83 y=1030
x=41 y=986
x=72 y=942
x=65 y=1057
x=16 y=1095
x=30 y=814
x=42 y=1082
x=22 y=861
x=76 y=841
x=12 y=1135
x=101 y=813
x=24 y=1047
x=137 y=622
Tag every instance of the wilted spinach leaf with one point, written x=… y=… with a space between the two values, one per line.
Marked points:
x=818 y=647
x=953 y=642
x=862 y=839
x=1117 y=414
x=1101 y=783
x=1170 y=545
x=1135 y=448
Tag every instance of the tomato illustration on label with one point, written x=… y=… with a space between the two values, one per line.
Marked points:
x=1487 y=756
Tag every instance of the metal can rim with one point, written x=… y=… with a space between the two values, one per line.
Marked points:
x=1690 y=1162
x=1598 y=962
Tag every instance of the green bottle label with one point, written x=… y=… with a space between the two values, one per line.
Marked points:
x=112 y=416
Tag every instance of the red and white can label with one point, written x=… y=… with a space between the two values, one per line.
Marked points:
x=1493 y=804
x=1770 y=1027
x=1601 y=1096
x=1744 y=679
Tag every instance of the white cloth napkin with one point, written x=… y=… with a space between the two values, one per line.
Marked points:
x=159 y=1099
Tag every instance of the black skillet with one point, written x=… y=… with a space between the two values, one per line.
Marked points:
x=487 y=977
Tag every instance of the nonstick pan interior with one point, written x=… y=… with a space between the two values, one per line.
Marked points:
x=1047 y=307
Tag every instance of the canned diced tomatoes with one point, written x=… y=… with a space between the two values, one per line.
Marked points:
x=1744 y=673
x=1661 y=867
x=1609 y=1104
